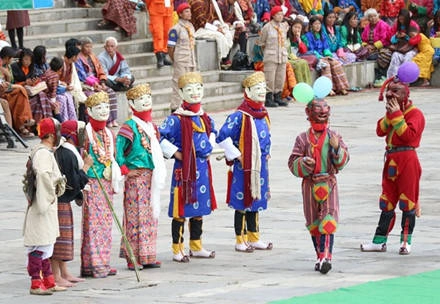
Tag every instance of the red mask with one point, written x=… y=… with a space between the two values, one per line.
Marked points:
x=318 y=113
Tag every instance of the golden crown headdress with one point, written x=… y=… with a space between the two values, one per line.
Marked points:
x=253 y=79
x=191 y=77
x=96 y=99
x=138 y=91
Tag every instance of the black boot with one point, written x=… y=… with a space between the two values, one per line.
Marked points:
x=277 y=99
x=159 y=59
x=165 y=59
x=269 y=101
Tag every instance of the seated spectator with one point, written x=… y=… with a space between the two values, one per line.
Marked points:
x=327 y=65
x=402 y=45
x=296 y=50
x=333 y=37
x=375 y=37
x=434 y=32
x=119 y=77
x=202 y=12
x=420 y=12
x=343 y=7
x=57 y=91
x=261 y=11
x=93 y=77
x=120 y=15
x=18 y=103
x=23 y=69
x=365 y=5
x=423 y=58
x=389 y=10
x=40 y=63
x=351 y=38
x=7 y=53
x=70 y=76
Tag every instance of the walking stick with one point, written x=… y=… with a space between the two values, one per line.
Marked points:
x=124 y=237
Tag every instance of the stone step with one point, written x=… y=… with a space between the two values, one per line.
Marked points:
x=54 y=14
x=162 y=96
x=71 y=25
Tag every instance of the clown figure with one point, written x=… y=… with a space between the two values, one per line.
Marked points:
x=245 y=137
x=402 y=126
x=317 y=156
x=140 y=157
x=97 y=216
x=188 y=135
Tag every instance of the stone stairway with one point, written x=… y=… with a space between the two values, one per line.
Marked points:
x=52 y=27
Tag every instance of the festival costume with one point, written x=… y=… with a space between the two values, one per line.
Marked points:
x=401 y=174
x=192 y=195
x=248 y=130
x=41 y=228
x=97 y=216
x=137 y=148
x=319 y=186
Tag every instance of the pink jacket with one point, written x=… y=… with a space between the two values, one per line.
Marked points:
x=380 y=32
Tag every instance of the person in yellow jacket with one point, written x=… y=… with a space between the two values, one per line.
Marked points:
x=161 y=20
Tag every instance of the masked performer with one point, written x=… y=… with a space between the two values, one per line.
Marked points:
x=317 y=156
x=245 y=137
x=189 y=135
x=141 y=160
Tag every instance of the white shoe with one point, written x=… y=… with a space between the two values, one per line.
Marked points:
x=261 y=245
x=203 y=253
x=405 y=248
x=180 y=258
x=371 y=247
x=243 y=247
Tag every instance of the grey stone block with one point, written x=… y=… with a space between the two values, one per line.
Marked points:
x=206 y=55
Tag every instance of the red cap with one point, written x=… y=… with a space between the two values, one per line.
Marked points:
x=45 y=127
x=183 y=6
x=275 y=9
x=69 y=129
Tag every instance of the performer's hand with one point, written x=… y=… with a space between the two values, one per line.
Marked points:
x=392 y=105
x=309 y=161
x=178 y=155
x=134 y=173
x=334 y=141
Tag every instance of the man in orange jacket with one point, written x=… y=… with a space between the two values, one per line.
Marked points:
x=160 y=12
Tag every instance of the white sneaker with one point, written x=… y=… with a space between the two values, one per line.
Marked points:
x=203 y=253
x=371 y=247
x=261 y=245
x=404 y=249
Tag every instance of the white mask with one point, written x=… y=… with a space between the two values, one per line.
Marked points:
x=257 y=92
x=99 y=112
x=142 y=104
x=192 y=93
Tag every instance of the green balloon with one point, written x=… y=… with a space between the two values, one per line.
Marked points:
x=303 y=92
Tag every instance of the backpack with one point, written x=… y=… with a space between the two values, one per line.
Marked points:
x=29 y=180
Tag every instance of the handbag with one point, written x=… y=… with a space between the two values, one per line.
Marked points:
x=402 y=46
x=34 y=90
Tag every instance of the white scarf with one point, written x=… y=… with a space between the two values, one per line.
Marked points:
x=181 y=111
x=160 y=171
x=116 y=171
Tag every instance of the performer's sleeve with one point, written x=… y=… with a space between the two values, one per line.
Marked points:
x=169 y=133
x=122 y=143
x=340 y=157
x=407 y=129
x=383 y=126
x=231 y=151
x=168 y=149
x=296 y=162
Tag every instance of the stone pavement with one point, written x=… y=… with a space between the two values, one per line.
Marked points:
x=259 y=277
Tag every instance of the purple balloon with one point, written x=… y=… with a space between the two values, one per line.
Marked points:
x=408 y=72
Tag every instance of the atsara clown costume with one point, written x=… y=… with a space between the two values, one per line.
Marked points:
x=317 y=156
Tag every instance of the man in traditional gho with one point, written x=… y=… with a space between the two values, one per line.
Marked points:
x=140 y=157
x=188 y=135
x=40 y=228
x=317 y=156
x=402 y=126
x=97 y=216
x=74 y=168
x=245 y=137
x=181 y=48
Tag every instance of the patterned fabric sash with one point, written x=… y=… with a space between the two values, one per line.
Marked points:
x=115 y=67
